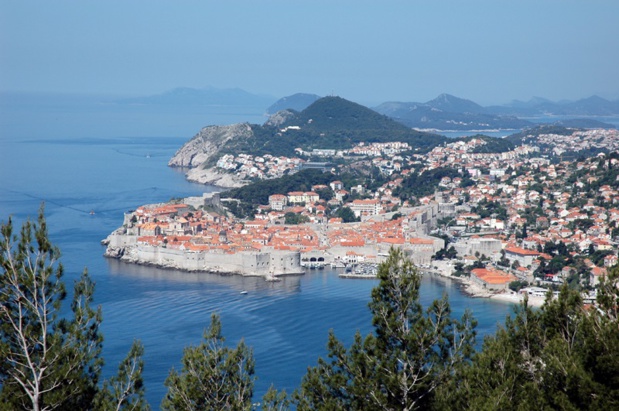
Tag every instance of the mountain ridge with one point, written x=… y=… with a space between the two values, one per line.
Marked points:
x=187 y=96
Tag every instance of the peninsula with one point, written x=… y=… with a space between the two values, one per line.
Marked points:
x=198 y=234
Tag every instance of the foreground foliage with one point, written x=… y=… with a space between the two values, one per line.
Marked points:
x=412 y=352
x=564 y=355
x=213 y=376
x=47 y=361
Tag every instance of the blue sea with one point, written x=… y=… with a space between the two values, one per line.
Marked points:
x=79 y=166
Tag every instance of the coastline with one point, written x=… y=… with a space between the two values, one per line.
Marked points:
x=212 y=177
x=473 y=290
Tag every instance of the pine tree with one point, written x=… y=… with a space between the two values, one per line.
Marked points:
x=49 y=361
x=275 y=400
x=399 y=367
x=213 y=376
x=46 y=362
x=125 y=391
x=562 y=356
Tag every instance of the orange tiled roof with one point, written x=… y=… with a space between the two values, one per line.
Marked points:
x=493 y=276
x=521 y=251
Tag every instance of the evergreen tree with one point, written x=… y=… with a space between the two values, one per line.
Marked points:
x=47 y=361
x=125 y=391
x=562 y=356
x=275 y=400
x=213 y=376
x=400 y=366
x=346 y=214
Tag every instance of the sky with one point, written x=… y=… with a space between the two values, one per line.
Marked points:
x=489 y=51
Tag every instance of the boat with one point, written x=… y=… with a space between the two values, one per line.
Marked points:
x=244 y=292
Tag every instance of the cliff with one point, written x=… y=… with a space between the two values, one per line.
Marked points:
x=210 y=175
x=204 y=149
x=205 y=145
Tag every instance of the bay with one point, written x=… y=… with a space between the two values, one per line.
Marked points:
x=286 y=323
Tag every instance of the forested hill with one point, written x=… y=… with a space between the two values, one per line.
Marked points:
x=334 y=122
x=328 y=123
x=335 y=114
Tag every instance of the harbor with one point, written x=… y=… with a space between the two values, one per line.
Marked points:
x=363 y=270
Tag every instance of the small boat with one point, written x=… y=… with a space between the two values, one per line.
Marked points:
x=92 y=212
x=244 y=292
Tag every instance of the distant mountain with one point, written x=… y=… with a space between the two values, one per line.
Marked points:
x=297 y=102
x=449 y=103
x=594 y=105
x=591 y=106
x=337 y=123
x=447 y=112
x=582 y=123
x=209 y=96
x=335 y=114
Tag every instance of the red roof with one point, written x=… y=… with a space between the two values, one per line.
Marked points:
x=493 y=276
x=521 y=251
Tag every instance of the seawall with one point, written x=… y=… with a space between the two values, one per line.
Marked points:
x=248 y=263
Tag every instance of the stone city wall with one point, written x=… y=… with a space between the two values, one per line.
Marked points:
x=244 y=263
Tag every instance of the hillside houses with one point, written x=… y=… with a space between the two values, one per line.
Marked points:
x=516 y=208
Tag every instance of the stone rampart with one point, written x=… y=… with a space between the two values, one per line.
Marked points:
x=249 y=263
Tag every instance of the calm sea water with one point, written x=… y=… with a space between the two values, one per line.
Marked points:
x=286 y=323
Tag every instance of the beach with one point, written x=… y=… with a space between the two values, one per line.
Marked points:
x=474 y=290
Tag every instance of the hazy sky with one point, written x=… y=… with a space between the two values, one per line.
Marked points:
x=489 y=51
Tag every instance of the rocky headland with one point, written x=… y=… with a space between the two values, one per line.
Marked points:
x=200 y=154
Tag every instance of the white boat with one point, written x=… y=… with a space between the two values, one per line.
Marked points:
x=244 y=292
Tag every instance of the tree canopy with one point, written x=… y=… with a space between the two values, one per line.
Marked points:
x=49 y=361
x=411 y=353
x=564 y=355
x=213 y=376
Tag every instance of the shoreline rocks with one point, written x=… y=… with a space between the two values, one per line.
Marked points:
x=472 y=290
x=213 y=177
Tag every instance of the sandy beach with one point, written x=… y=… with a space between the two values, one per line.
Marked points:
x=534 y=301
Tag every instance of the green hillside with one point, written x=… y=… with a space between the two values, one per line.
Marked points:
x=335 y=114
x=328 y=123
